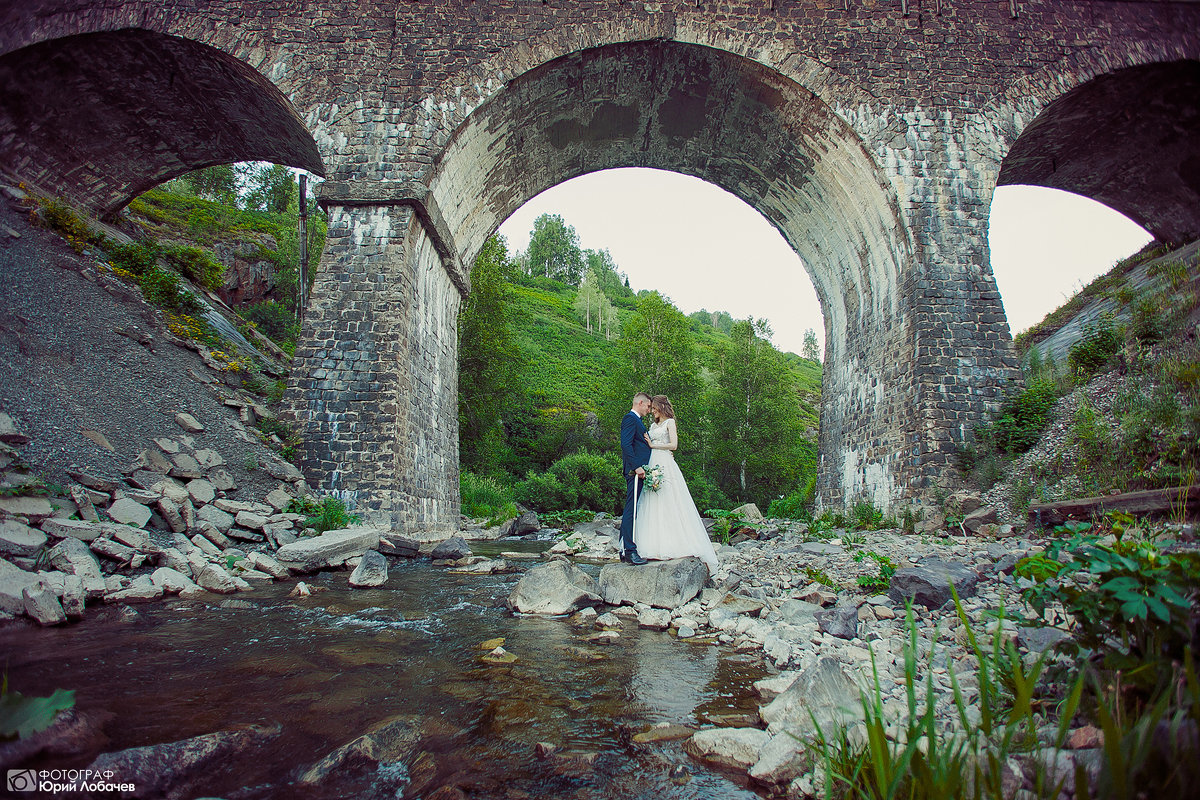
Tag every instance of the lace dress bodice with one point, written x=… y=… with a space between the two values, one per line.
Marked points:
x=659 y=433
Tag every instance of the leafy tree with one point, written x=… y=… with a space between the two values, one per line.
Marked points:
x=612 y=282
x=488 y=359
x=656 y=354
x=219 y=183
x=553 y=250
x=811 y=349
x=270 y=187
x=610 y=324
x=589 y=300
x=757 y=444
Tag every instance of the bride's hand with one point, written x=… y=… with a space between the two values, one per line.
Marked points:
x=647 y=437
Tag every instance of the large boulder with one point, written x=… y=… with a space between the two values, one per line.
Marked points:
x=732 y=748
x=840 y=621
x=75 y=558
x=391 y=544
x=330 y=549
x=823 y=694
x=372 y=570
x=556 y=587
x=18 y=539
x=130 y=512
x=453 y=548
x=527 y=523
x=749 y=512
x=42 y=604
x=928 y=583
x=388 y=741
x=13 y=582
x=178 y=769
x=663 y=584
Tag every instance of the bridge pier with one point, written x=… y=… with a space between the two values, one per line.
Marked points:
x=376 y=393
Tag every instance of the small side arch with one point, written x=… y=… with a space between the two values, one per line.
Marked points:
x=98 y=118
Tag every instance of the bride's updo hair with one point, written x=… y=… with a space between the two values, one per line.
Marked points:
x=663 y=406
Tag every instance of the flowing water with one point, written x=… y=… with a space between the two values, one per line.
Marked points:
x=327 y=668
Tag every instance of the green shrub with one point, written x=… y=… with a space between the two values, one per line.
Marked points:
x=865 y=516
x=162 y=288
x=136 y=258
x=1095 y=350
x=200 y=266
x=795 y=505
x=1131 y=600
x=1023 y=418
x=274 y=320
x=483 y=496
x=580 y=480
x=331 y=515
x=62 y=218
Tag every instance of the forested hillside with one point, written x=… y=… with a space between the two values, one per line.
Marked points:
x=554 y=343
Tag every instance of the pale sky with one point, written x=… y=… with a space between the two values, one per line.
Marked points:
x=705 y=248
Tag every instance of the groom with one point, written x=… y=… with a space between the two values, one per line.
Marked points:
x=635 y=453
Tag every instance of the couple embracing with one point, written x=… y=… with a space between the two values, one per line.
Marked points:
x=664 y=523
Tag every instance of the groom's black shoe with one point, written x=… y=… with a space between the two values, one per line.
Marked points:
x=632 y=557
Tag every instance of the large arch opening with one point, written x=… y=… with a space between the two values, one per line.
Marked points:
x=731 y=122
x=99 y=118
x=1127 y=139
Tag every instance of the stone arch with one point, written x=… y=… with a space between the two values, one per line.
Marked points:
x=100 y=117
x=727 y=119
x=1119 y=126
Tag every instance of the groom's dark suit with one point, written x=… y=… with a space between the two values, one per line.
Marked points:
x=635 y=452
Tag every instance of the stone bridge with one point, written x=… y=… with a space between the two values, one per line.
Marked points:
x=871 y=133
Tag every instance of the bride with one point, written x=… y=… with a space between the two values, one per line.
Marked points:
x=668 y=524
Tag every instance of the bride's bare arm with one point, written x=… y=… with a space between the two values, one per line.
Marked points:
x=672 y=442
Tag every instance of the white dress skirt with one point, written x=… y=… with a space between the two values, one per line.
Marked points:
x=668 y=524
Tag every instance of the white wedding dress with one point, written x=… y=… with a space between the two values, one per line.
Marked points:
x=668 y=524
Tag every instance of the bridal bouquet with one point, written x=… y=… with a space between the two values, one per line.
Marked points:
x=654 y=477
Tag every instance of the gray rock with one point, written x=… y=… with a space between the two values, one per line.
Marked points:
x=175 y=559
x=331 y=548
x=391 y=544
x=150 y=460
x=171 y=581
x=134 y=537
x=279 y=500
x=840 y=621
x=250 y=520
x=9 y=431
x=221 y=520
x=372 y=570
x=185 y=466
x=206 y=530
x=188 y=423
x=526 y=523
x=732 y=748
x=656 y=619
x=770 y=688
x=215 y=579
x=76 y=558
x=245 y=535
x=822 y=692
x=34 y=509
x=42 y=605
x=129 y=512
x=264 y=563
x=168 y=446
x=73 y=597
x=172 y=514
x=113 y=550
x=201 y=492
x=453 y=548
x=83 y=501
x=783 y=759
x=1039 y=640
x=389 y=741
x=18 y=539
x=556 y=587
x=281 y=470
x=206 y=546
x=795 y=612
x=13 y=582
x=178 y=769
x=74 y=528
x=663 y=584
x=749 y=512
x=222 y=480
x=819 y=548
x=142 y=587
x=974 y=521
x=209 y=459
x=928 y=583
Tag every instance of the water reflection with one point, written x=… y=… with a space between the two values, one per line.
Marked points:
x=330 y=667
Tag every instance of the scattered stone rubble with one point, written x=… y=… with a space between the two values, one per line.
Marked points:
x=795 y=598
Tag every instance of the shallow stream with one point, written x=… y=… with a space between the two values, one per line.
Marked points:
x=328 y=668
